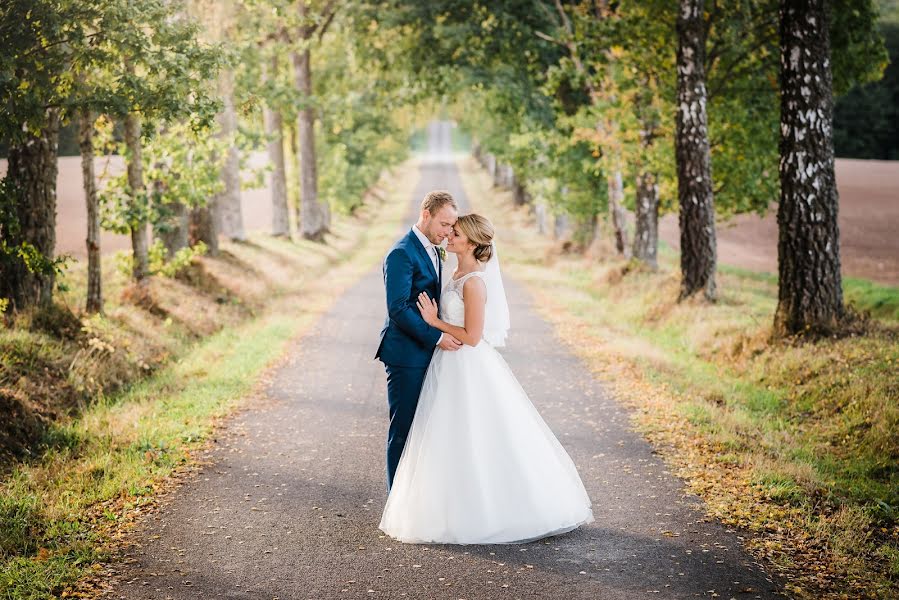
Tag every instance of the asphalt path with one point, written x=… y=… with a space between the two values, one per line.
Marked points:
x=289 y=503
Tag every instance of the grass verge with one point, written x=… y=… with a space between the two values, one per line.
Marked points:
x=65 y=510
x=797 y=443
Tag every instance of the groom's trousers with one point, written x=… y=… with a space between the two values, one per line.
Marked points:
x=403 y=387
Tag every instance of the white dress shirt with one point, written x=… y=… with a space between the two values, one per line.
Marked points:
x=429 y=248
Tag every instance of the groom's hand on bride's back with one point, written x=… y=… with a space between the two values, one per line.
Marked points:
x=448 y=342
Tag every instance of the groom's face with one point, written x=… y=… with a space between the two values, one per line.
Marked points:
x=439 y=225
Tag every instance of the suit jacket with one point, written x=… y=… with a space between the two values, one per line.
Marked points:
x=406 y=340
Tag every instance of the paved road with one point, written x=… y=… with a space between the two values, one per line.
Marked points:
x=290 y=506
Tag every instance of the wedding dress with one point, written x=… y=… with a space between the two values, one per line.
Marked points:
x=480 y=466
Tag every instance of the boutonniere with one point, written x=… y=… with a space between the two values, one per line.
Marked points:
x=442 y=252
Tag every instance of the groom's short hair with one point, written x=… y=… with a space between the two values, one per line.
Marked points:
x=437 y=199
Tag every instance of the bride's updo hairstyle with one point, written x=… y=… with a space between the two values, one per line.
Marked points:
x=479 y=231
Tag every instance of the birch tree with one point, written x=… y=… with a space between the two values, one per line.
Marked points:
x=810 y=292
x=94 y=301
x=692 y=153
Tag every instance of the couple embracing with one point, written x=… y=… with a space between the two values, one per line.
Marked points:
x=469 y=459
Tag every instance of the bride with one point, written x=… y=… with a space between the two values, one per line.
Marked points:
x=480 y=466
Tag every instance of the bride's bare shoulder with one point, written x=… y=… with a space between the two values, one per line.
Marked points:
x=474 y=284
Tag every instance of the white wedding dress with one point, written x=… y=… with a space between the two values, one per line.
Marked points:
x=480 y=465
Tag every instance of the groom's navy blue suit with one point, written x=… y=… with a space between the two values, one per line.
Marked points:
x=407 y=342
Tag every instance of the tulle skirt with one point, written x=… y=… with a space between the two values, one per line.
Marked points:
x=480 y=465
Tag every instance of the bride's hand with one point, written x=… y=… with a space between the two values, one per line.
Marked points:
x=428 y=309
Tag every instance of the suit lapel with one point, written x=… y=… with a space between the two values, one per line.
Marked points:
x=424 y=255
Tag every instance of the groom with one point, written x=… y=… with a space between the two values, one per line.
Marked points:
x=412 y=266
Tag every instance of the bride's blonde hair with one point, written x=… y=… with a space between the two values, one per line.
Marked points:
x=479 y=231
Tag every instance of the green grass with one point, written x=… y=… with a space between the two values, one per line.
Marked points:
x=122 y=446
x=881 y=301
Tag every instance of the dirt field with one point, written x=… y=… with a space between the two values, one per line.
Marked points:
x=869 y=221
x=71 y=213
x=869 y=226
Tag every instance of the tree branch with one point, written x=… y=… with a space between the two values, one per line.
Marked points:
x=564 y=17
x=730 y=72
x=548 y=38
x=327 y=22
x=57 y=43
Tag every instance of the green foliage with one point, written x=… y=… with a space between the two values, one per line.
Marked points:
x=70 y=54
x=866 y=119
x=161 y=264
x=535 y=79
x=858 y=54
x=151 y=58
x=364 y=122
x=39 y=40
x=109 y=56
x=159 y=260
x=181 y=165
x=362 y=113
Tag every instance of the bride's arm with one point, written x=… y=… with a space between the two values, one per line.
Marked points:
x=474 y=292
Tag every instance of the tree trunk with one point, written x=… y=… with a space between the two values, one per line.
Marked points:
x=31 y=171
x=94 y=302
x=810 y=292
x=560 y=226
x=175 y=234
x=140 y=264
x=274 y=128
x=694 y=178
x=646 y=213
x=540 y=215
x=293 y=162
x=228 y=201
x=519 y=194
x=202 y=227
x=491 y=167
x=498 y=174
x=314 y=216
x=616 y=210
x=587 y=231
x=507 y=177
x=646 y=209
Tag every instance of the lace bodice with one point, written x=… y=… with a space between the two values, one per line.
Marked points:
x=452 y=307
